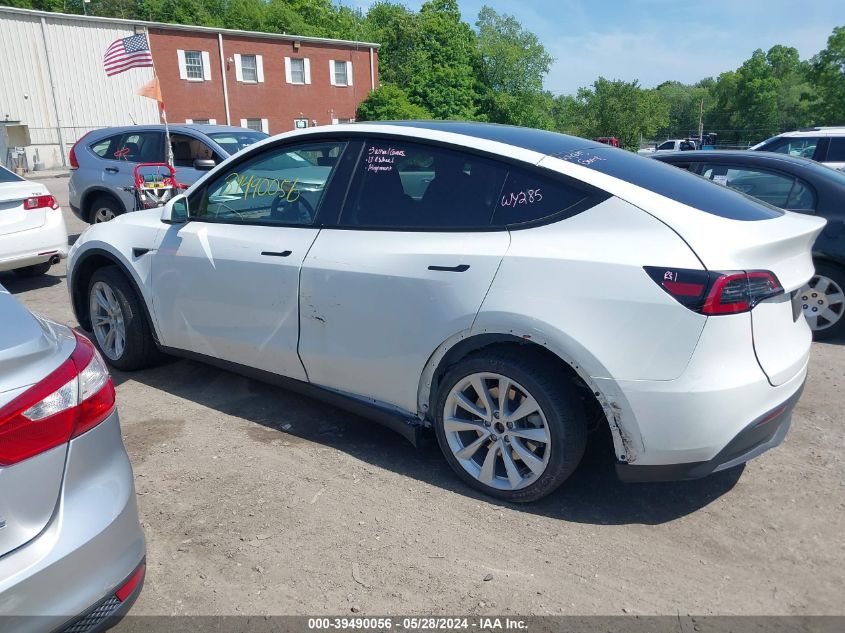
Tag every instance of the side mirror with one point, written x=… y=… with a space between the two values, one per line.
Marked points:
x=204 y=164
x=176 y=210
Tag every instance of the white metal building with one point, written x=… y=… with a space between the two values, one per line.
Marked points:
x=48 y=66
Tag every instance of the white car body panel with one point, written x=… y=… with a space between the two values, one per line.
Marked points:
x=28 y=237
x=553 y=286
x=373 y=313
x=215 y=293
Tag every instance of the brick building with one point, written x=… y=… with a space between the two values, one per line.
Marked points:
x=267 y=82
x=53 y=84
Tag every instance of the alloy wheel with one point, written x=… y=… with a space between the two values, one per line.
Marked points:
x=103 y=214
x=823 y=302
x=497 y=431
x=107 y=320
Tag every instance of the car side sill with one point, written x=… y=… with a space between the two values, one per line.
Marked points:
x=404 y=424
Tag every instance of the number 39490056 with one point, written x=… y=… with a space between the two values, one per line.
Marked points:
x=525 y=197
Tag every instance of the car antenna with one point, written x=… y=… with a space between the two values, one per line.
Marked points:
x=132 y=118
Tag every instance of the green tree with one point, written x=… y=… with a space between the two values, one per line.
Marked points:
x=685 y=104
x=622 y=109
x=512 y=64
x=389 y=103
x=429 y=54
x=767 y=94
x=827 y=73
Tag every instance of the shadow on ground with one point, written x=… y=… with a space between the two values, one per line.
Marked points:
x=15 y=284
x=592 y=495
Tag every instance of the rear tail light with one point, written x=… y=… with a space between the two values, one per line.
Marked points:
x=128 y=587
x=73 y=399
x=714 y=292
x=74 y=163
x=40 y=202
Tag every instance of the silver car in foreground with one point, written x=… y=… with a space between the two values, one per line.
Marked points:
x=72 y=552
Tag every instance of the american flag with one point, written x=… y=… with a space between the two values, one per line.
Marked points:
x=126 y=53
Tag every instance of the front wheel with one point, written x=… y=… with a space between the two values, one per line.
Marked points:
x=118 y=322
x=823 y=301
x=510 y=425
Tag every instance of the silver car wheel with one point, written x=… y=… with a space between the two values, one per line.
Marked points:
x=497 y=431
x=103 y=214
x=107 y=320
x=823 y=302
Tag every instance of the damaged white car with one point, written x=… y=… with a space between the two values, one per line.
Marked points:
x=494 y=283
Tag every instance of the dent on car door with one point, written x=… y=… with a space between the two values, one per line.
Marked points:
x=225 y=284
x=402 y=271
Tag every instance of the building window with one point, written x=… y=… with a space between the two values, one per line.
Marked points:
x=193 y=64
x=249 y=68
x=297 y=71
x=259 y=125
x=340 y=75
x=200 y=121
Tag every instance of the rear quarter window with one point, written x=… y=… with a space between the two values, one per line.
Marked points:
x=677 y=184
x=101 y=148
x=529 y=197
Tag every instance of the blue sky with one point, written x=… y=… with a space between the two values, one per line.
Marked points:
x=658 y=40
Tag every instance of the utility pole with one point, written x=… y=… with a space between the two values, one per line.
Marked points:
x=701 y=122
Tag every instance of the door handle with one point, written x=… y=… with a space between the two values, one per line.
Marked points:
x=112 y=170
x=451 y=269
x=276 y=254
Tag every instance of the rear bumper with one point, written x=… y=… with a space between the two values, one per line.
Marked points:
x=34 y=246
x=93 y=543
x=701 y=421
x=764 y=433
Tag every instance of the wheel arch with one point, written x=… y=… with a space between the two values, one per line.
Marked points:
x=92 y=194
x=88 y=263
x=609 y=406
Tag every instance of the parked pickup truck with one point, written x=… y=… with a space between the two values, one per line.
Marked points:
x=672 y=145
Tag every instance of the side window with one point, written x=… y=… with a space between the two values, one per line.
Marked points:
x=103 y=148
x=763 y=185
x=411 y=186
x=804 y=146
x=667 y=145
x=687 y=146
x=529 y=196
x=802 y=197
x=187 y=149
x=282 y=185
x=138 y=147
x=836 y=151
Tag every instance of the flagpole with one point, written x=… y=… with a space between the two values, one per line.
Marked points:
x=162 y=112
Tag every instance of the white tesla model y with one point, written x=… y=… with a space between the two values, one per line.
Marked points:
x=496 y=283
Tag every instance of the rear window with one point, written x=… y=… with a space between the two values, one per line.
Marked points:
x=673 y=183
x=7 y=176
x=233 y=142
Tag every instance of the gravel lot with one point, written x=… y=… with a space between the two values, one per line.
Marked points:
x=259 y=501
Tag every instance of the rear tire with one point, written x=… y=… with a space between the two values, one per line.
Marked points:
x=532 y=454
x=104 y=209
x=118 y=321
x=829 y=282
x=36 y=270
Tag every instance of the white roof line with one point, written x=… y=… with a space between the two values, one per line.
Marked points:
x=189 y=27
